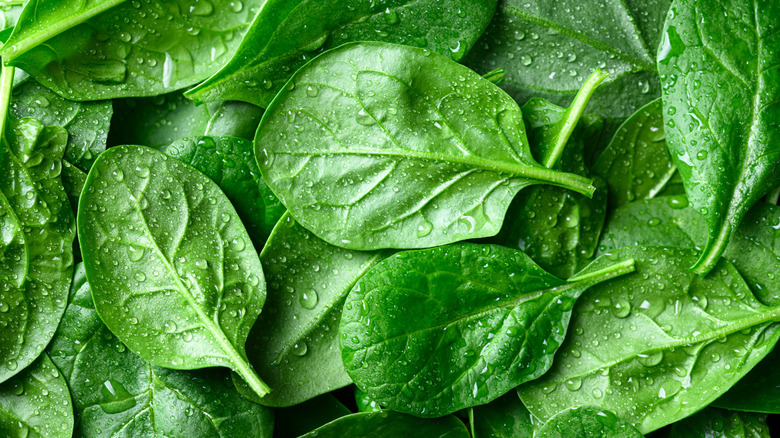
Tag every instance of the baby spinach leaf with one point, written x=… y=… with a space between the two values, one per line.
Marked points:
x=116 y=392
x=721 y=109
x=161 y=120
x=758 y=391
x=433 y=331
x=36 y=255
x=368 y=154
x=656 y=345
x=36 y=403
x=230 y=162
x=288 y=33
x=112 y=48
x=297 y=420
x=383 y=424
x=504 y=417
x=636 y=164
x=713 y=422
x=549 y=48
x=173 y=272
x=294 y=343
x=587 y=422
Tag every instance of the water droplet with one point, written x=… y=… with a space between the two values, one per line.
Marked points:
x=650 y=359
x=142 y=171
x=526 y=60
x=202 y=8
x=236 y=6
x=118 y=175
x=300 y=348
x=118 y=399
x=365 y=118
x=140 y=277
x=424 y=228
x=201 y=264
x=621 y=308
x=312 y=91
x=170 y=327
x=391 y=17
x=573 y=384
x=701 y=155
x=237 y=244
x=135 y=253
x=12 y=365
x=309 y=299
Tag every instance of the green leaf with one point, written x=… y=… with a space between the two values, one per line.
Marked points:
x=720 y=77
x=549 y=48
x=36 y=403
x=717 y=423
x=230 y=162
x=433 y=331
x=173 y=272
x=294 y=343
x=161 y=120
x=586 y=422
x=387 y=424
x=636 y=164
x=387 y=156
x=79 y=49
x=116 y=392
x=657 y=345
x=758 y=391
x=36 y=255
x=304 y=417
x=288 y=33
x=504 y=417
x=9 y=14
x=364 y=402
x=73 y=180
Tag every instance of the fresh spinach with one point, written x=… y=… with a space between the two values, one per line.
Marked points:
x=190 y=286
x=758 y=391
x=504 y=417
x=721 y=109
x=370 y=154
x=433 y=331
x=587 y=423
x=388 y=424
x=712 y=422
x=288 y=33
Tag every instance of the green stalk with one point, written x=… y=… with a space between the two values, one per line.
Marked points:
x=6 y=86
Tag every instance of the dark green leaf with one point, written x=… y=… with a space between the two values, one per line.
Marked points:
x=717 y=423
x=288 y=33
x=294 y=344
x=117 y=393
x=173 y=272
x=36 y=403
x=36 y=256
x=112 y=48
x=302 y=418
x=718 y=64
x=389 y=424
x=587 y=423
x=433 y=331
x=387 y=156
x=504 y=417
x=758 y=391
x=230 y=162
x=656 y=345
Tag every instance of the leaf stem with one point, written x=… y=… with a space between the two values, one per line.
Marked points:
x=608 y=273
x=565 y=126
x=712 y=251
x=6 y=86
x=251 y=378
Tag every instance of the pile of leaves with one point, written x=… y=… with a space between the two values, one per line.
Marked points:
x=389 y=218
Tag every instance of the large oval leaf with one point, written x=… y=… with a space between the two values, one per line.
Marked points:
x=433 y=331
x=718 y=65
x=376 y=145
x=173 y=272
x=114 y=48
x=718 y=423
x=504 y=417
x=586 y=422
x=288 y=33
x=386 y=424
x=657 y=345
x=36 y=245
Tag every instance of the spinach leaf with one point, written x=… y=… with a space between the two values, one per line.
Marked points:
x=112 y=48
x=636 y=164
x=288 y=33
x=587 y=422
x=504 y=417
x=294 y=343
x=161 y=120
x=721 y=109
x=173 y=272
x=9 y=15
x=73 y=180
x=386 y=424
x=368 y=153
x=36 y=255
x=548 y=49
x=712 y=422
x=433 y=331
x=36 y=403
x=656 y=345
x=230 y=162
x=297 y=420
x=116 y=392
x=758 y=391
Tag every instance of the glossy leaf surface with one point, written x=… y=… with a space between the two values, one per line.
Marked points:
x=36 y=403
x=369 y=153
x=36 y=255
x=504 y=417
x=116 y=393
x=181 y=292
x=587 y=422
x=230 y=162
x=294 y=344
x=717 y=423
x=721 y=108
x=385 y=424
x=433 y=331
x=758 y=391
x=84 y=51
x=656 y=345
x=288 y=33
